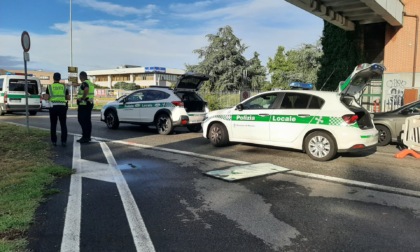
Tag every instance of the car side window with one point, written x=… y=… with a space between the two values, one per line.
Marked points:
x=295 y=101
x=316 y=102
x=265 y=101
x=135 y=97
x=1 y=84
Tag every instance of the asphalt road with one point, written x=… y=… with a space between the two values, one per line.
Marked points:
x=134 y=190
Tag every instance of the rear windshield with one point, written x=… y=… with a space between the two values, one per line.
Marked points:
x=19 y=85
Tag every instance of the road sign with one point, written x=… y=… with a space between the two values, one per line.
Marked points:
x=72 y=75
x=25 y=41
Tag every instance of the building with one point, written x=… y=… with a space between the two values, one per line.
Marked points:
x=141 y=76
x=388 y=32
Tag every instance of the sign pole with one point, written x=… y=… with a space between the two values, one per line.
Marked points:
x=26 y=45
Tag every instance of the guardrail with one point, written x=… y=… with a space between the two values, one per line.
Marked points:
x=411 y=137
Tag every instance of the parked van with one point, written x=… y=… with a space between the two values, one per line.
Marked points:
x=12 y=94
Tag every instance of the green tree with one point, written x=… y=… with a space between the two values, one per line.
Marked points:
x=223 y=61
x=341 y=55
x=279 y=68
x=126 y=86
x=306 y=62
x=257 y=73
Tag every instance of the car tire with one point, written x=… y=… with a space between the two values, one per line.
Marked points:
x=218 y=135
x=32 y=112
x=111 y=120
x=384 y=137
x=1 y=111
x=164 y=124
x=194 y=127
x=320 y=146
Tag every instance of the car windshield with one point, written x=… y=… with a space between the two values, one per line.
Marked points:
x=405 y=106
x=19 y=85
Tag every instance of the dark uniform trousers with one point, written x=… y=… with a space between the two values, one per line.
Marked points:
x=84 y=116
x=58 y=112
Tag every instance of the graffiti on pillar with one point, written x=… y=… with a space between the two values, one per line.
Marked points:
x=395 y=96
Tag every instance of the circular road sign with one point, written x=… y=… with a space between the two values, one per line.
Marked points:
x=26 y=41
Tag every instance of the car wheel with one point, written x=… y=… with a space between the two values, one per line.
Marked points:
x=384 y=137
x=194 y=127
x=111 y=120
x=1 y=111
x=32 y=112
x=164 y=124
x=320 y=146
x=218 y=135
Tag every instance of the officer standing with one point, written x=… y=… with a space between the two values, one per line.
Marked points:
x=58 y=95
x=85 y=100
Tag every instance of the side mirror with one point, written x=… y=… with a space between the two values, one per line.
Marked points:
x=405 y=111
x=240 y=107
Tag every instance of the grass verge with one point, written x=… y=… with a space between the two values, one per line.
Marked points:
x=26 y=171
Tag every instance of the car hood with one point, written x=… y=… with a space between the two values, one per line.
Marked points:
x=190 y=82
x=361 y=76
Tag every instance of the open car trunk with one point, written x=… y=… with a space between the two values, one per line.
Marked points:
x=192 y=101
x=351 y=90
x=364 y=119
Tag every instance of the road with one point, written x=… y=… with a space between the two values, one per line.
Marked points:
x=135 y=190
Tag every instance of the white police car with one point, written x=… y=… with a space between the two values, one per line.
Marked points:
x=160 y=106
x=317 y=122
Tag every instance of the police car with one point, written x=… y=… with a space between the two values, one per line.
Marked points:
x=13 y=95
x=160 y=106
x=319 y=123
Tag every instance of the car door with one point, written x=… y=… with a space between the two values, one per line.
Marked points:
x=251 y=120
x=153 y=100
x=129 y=107
x=293 y=117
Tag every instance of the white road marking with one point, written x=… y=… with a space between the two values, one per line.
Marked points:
x=71 y=232
x=106 y=172
x=138 y=228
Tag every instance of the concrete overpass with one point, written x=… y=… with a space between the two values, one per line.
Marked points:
x=346 y=13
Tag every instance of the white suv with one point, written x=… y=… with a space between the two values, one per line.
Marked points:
x=161 y=106
x=317 y=122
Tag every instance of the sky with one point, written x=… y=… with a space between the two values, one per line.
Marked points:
x=105 y=34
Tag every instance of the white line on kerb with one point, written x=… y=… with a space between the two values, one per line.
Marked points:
x=139 y=232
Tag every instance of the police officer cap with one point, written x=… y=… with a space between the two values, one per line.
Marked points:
x=57 y=76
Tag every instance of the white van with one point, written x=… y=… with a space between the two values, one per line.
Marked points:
x=12 y=94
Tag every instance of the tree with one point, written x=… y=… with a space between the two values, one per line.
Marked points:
x=256 y=72
x=306 y=62
x=279 y=68
x=223 y=61
x=341 y=55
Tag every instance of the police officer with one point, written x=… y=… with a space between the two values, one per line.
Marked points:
x=58 y=95
x=85 y=98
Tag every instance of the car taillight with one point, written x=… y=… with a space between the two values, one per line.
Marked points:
x=178 y=103
x=350 y=119
x=5 y=98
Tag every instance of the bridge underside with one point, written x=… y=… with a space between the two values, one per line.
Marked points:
x=347 y=13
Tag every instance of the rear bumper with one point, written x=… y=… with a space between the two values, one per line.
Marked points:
x=20 y=108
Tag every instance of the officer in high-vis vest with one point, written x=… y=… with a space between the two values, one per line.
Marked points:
x=58 y=96
x=85 y=98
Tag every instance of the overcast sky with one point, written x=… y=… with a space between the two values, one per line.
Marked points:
x=107 y=34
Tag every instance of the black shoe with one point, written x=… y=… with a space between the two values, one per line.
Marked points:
x=84 y=140
x=64 y=144
x=80 y=139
